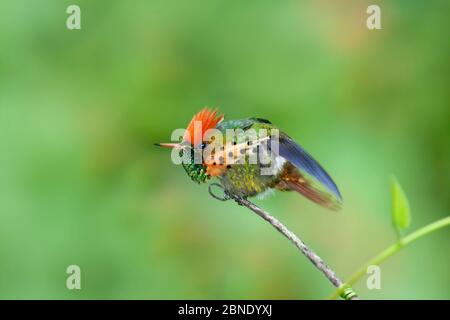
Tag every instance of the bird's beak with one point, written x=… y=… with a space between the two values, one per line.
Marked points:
x=168 y=145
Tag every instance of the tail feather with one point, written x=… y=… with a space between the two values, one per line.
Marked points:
x=293 y=180
x=313 y=194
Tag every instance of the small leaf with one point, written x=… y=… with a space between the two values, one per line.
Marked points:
x=401 y=216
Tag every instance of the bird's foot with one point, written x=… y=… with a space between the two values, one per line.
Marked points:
x=224 y=197
x=225 y=194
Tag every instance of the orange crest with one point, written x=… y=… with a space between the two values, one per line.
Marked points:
x=204 y=120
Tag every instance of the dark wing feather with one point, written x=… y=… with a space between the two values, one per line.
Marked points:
x=295 y=154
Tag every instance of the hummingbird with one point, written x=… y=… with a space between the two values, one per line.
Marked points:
x=229 y=160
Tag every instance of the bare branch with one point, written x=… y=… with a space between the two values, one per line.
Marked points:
x=347 y=292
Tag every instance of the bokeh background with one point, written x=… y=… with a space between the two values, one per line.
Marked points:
x=81 y=182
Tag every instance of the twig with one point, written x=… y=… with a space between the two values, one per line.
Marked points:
x=392 y=249
x=346 y=291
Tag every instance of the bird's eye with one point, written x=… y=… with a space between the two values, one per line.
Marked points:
x=202 y=145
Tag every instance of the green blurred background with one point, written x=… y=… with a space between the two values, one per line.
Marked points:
x=81 y=182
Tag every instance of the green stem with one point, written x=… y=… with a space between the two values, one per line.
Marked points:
x=389 y=251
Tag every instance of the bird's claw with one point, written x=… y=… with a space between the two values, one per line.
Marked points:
x=225 y=195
